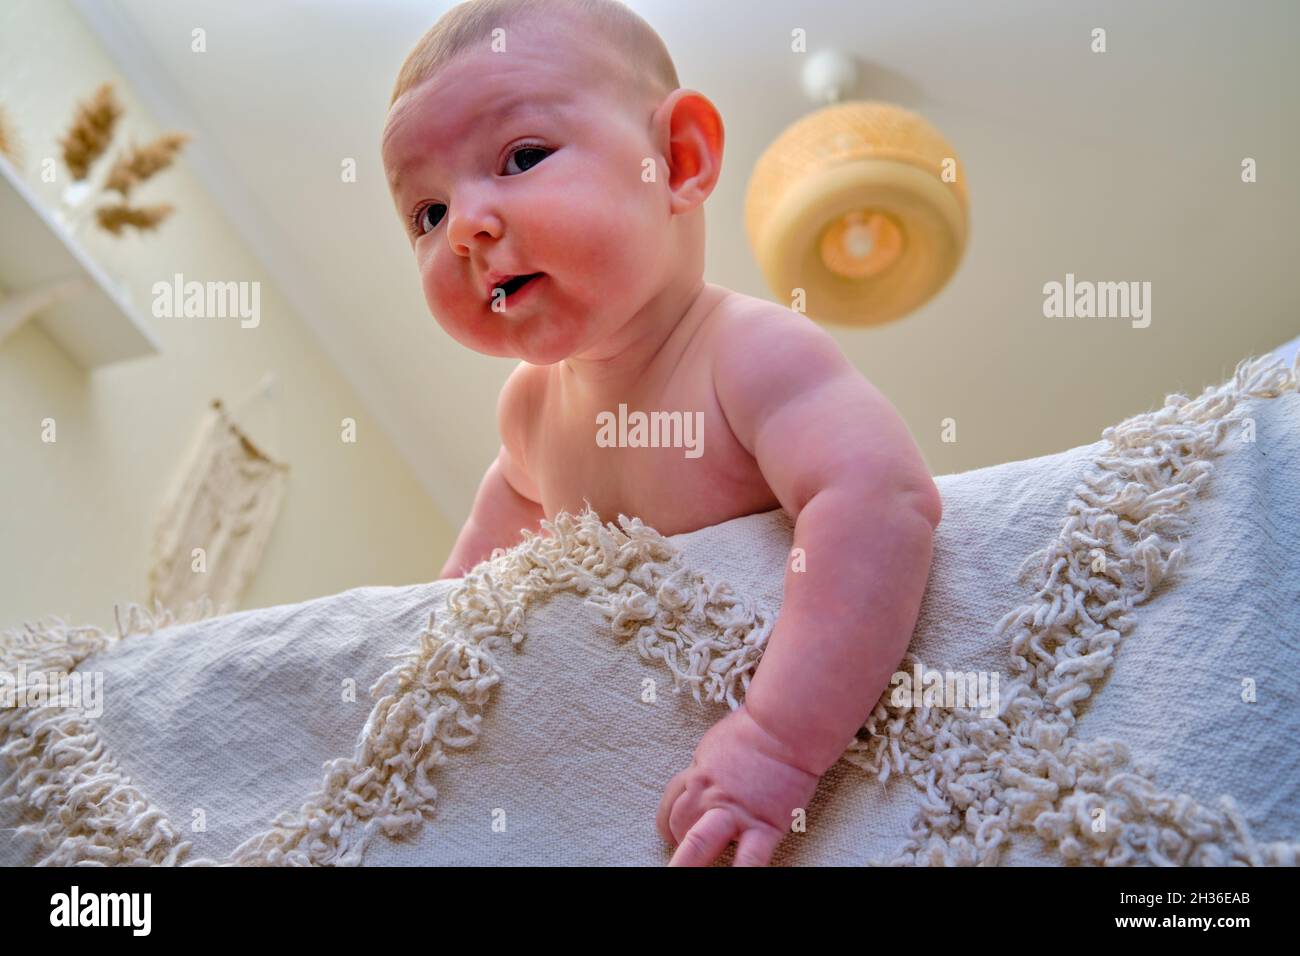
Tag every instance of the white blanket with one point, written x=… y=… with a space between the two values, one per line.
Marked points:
x=1138 y=600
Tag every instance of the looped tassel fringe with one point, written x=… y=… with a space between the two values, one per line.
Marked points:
x=983 y=777
x=90 y=813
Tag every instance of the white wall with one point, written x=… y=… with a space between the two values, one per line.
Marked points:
x=77 y=516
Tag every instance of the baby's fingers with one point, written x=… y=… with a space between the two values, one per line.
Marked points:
x=671 y=793
x=756 y=846
x=705 y=841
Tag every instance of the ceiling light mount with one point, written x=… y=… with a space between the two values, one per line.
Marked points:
x=830 y=76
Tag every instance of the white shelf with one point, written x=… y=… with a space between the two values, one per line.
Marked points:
x=47 y=276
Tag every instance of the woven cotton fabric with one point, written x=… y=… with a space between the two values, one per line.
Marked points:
x=1138 y=598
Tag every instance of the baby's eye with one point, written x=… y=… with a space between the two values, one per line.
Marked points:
x=524 y=150
x=419 y=220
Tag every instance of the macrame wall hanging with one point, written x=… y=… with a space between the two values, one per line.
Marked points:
x=215 y=524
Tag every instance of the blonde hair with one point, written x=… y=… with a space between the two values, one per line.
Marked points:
x=649 y=69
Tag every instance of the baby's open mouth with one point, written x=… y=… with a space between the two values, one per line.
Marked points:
x=511 y=286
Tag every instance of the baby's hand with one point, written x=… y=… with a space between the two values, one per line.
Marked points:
x=740 y=786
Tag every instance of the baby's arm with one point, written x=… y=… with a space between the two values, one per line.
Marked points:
x=501 y=509
x=499 y=514
x=844 y=467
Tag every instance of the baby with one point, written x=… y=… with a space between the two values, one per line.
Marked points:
x=552 y=175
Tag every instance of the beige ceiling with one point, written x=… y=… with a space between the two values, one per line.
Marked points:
x=1114 y=167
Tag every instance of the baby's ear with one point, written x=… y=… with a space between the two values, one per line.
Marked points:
x=688 y=130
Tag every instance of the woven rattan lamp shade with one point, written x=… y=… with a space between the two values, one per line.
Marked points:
x=850 y=205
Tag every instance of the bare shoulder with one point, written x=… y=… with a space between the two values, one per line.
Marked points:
x=517 y=412
x=766 y=355
x=806 y=413
x=752 y=329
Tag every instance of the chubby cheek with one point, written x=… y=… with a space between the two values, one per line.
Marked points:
x=599 y=242
x=549 y=333
x=449 y=298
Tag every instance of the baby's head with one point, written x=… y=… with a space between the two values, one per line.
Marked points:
x=596 y=177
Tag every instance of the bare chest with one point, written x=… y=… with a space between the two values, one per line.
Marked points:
x=662 y=452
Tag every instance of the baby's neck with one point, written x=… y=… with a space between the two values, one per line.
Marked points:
x=630 y=354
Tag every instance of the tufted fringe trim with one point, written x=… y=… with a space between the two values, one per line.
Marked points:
x=1023 y=771
x=427 y=707
x=431 y=704
x=983 y=778
x=90 y=813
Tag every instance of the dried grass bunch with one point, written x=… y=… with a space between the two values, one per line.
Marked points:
x=9 y=144
x=89 y=138
x=91 y=131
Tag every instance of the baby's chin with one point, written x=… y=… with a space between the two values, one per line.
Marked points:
x=535 y=339
x=543 y=352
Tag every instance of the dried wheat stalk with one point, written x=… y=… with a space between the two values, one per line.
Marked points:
x=91 y=131
x=9 y=144
x=116 y=218
x=141 y=162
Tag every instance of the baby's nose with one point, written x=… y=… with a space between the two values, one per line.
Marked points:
x=470 y=224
